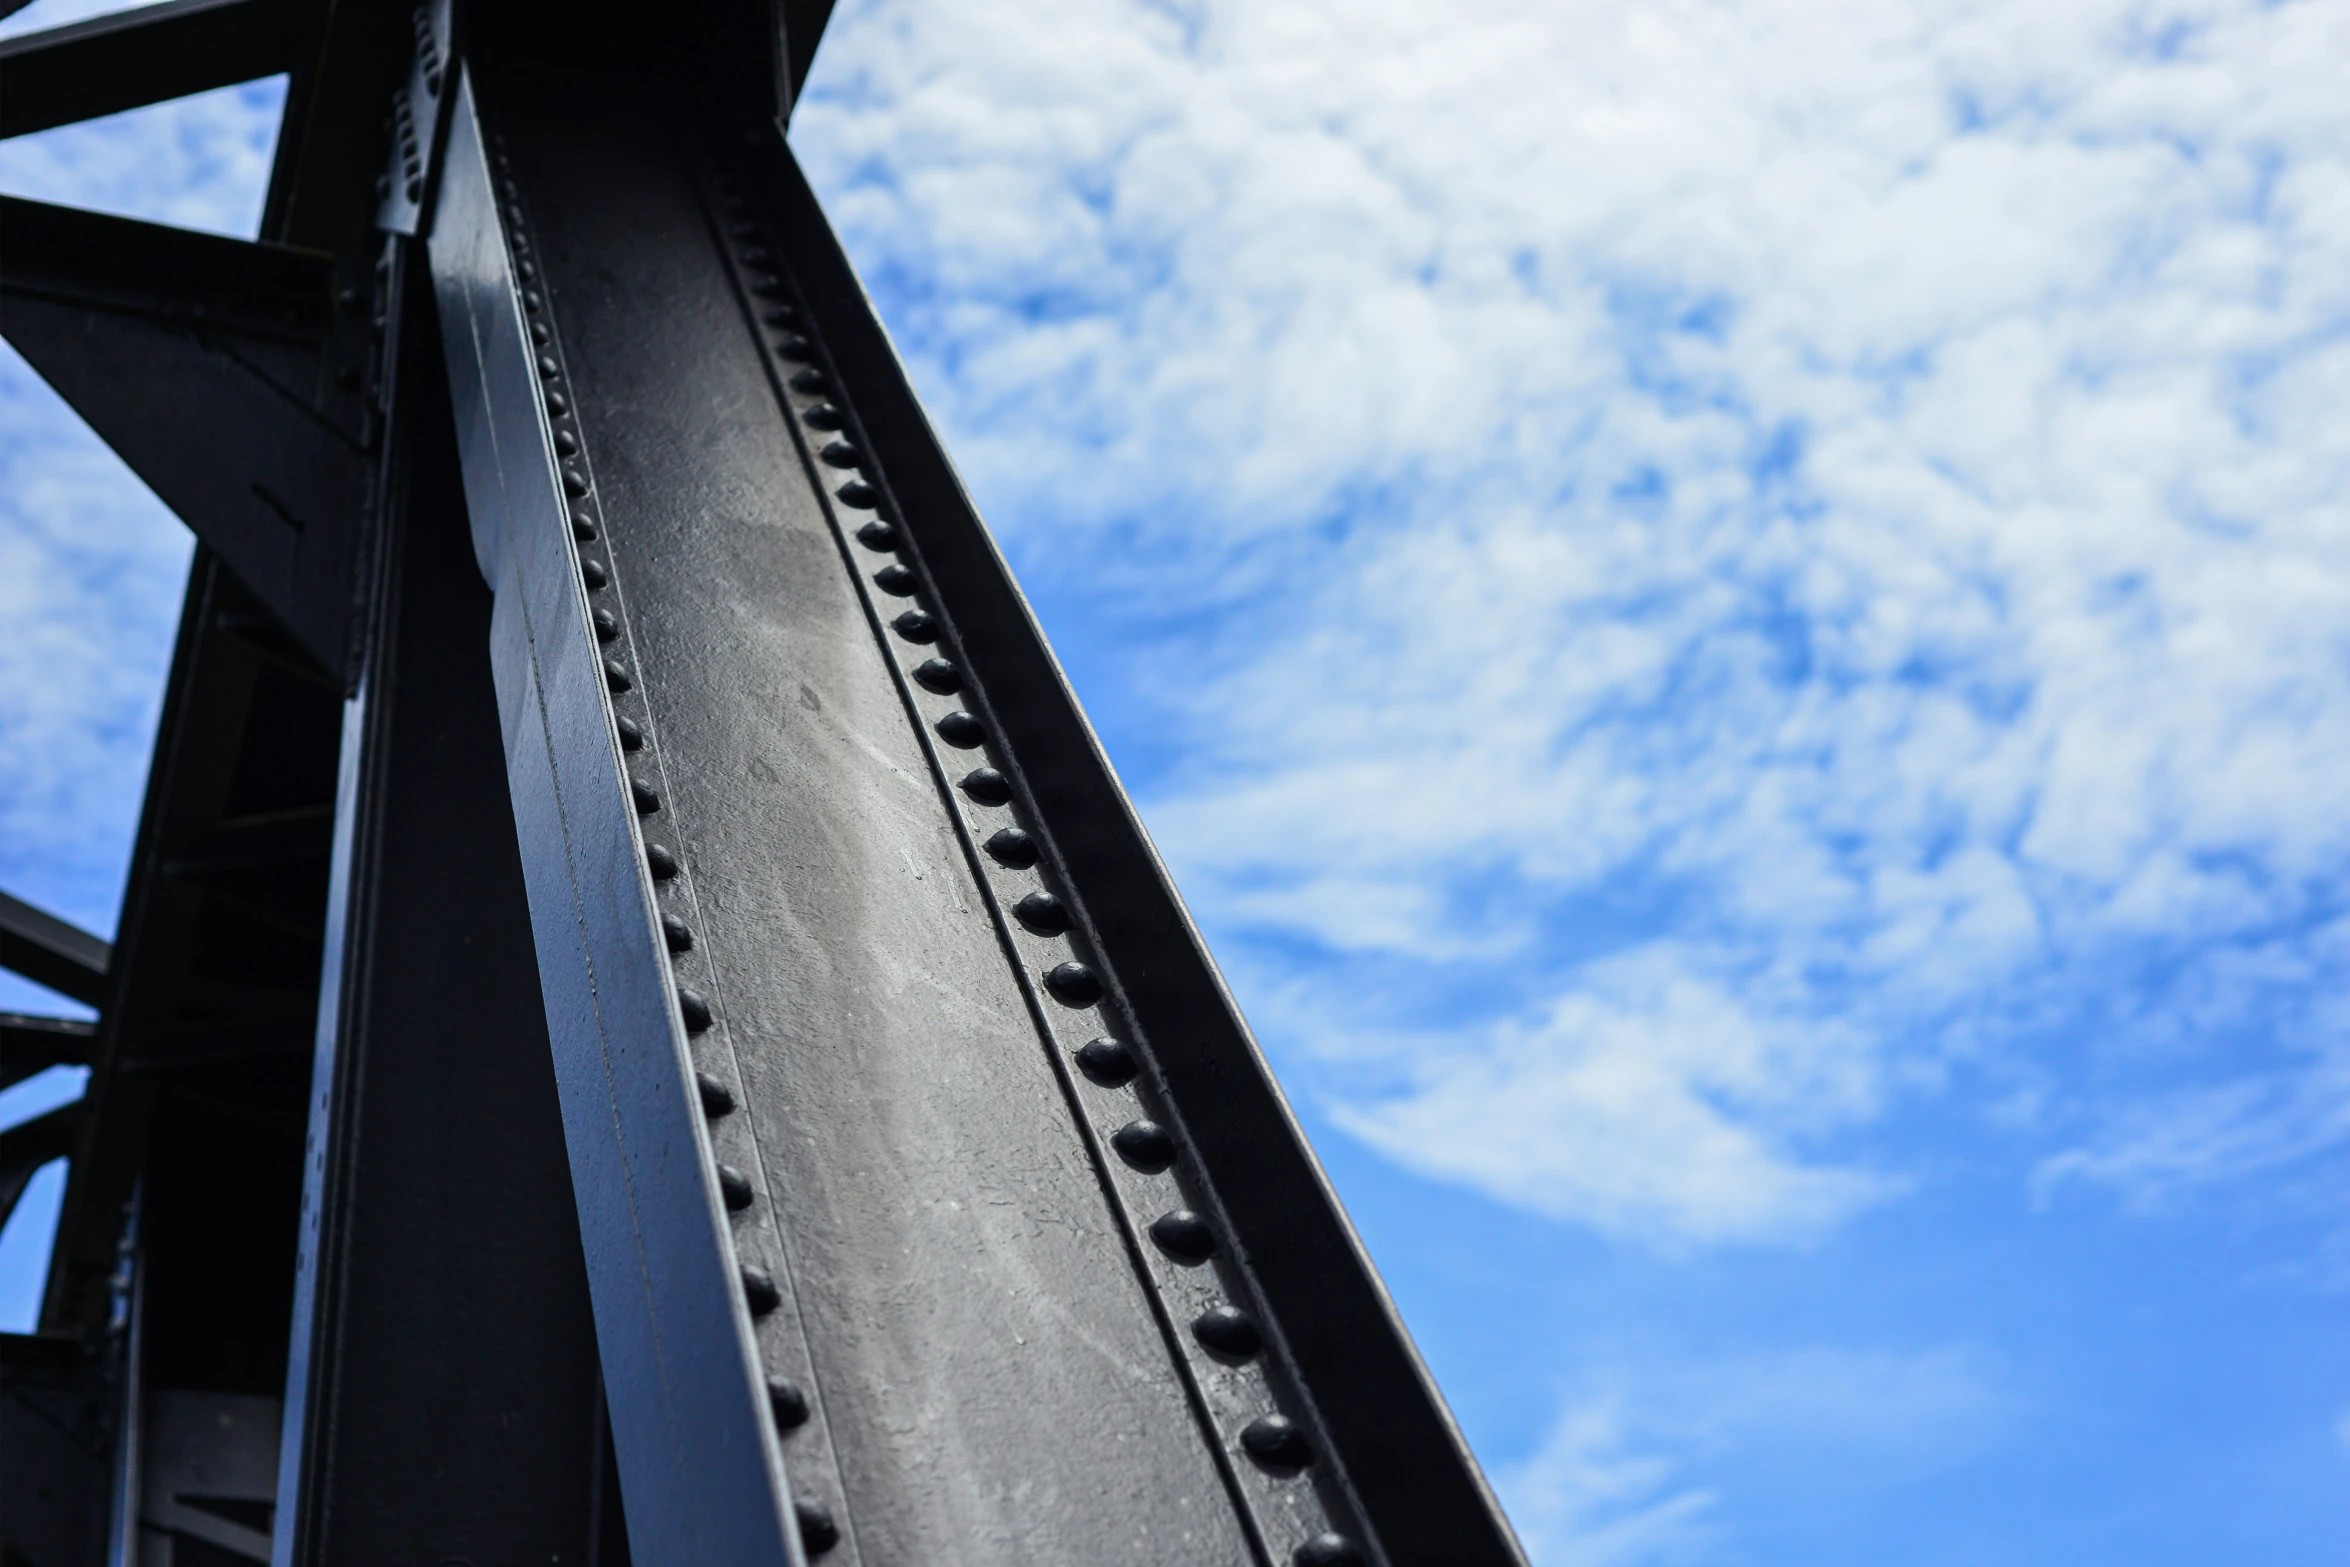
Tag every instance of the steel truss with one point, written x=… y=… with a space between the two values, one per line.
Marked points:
x=643 y=1025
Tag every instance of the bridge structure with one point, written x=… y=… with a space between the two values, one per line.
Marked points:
x=642 y=1026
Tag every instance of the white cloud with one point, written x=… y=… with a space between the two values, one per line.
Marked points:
x=1644 y=1105
x=1839 y=504
x=2169 y=1145
x=1654 y=1466
x=1582 y=1500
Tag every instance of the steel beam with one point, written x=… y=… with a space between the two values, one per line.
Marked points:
x=139 y=56
x=30 y=1044
x=27 y=1146
x=441 y=1397
x=892 y=1069
x=56 y=1435
x=190 y=1088
x=263 y=452
x=48 y=951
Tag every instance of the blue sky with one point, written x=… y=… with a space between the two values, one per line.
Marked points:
x=1735 y=617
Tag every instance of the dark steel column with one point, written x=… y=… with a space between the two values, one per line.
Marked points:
x=936 y=1204
x=442 y=1405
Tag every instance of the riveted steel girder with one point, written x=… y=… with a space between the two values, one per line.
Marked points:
x=810 y=819
x=719 y=1072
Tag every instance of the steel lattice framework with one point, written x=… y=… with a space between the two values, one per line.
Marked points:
x=643 y=1026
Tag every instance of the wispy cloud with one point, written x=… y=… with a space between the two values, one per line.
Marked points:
x=1831 y=511
x=2183 y=1142
x=1616 y=1483
x=1585 y=1500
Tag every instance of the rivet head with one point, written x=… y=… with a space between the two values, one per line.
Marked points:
x=526 y=271
x=1109 y=1062
x=754 y=256
x=607 y=625
x=1043 y=913
x=717 y=1098
x=878 y=535
x=694 y=1010
x=825 y=416
x=787 y=1402
x=856 y=492
x=818 y=1533
x=540 y=335
x=583 y=527
x=986 y=786
x=1073 y=984
x=841 y=454
x=915 y=625
x=1184 y=1236
x=557 y=403
x=896 y=579
x=809 y=382
x=1327 y=1550
x=647 y=798
x=676 y=933
x=632 y=738
x=548 y=368
x=759 y=1289
x=1228 y=1331
x=1275 y=1442
x=962 y=731
x=566 y=444
x=1145 y=1145
x=592 y=573
x=574 y=483
x=1012 y=847
x=793 y=347
x=660 y=862
x=734 y=1188
x=782 y=315
x=532 y=300
x=937 y=675
x=617 y=677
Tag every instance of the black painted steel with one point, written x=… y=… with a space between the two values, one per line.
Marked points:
x=56 y=1440
x=699 y=1461
x=904 y=1017
x=1407 y=1464
x=28 y=1145
x=30 y=1044
x=260 y=352
x=51 y=952
x=139 y=56
x=198 y=1073
x=638 y=982
x=442 y=1392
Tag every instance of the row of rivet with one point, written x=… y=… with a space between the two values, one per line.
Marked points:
x=1229 y=1336
x=738 y=1188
